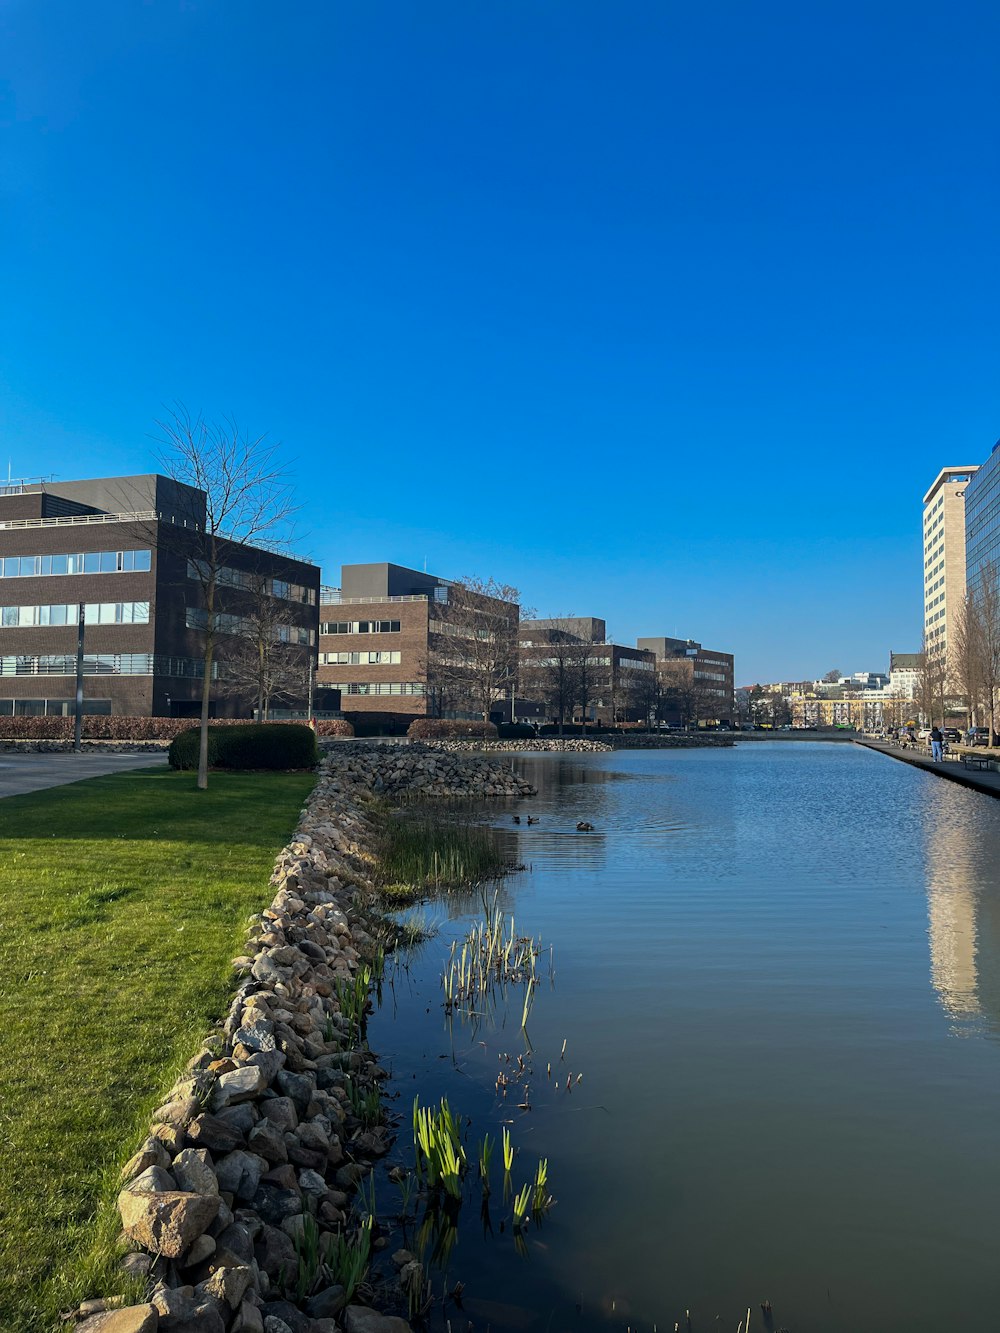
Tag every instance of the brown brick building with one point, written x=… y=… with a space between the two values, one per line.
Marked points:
x=394 y=642
x=698 y=683
x=567 y=666
x=123 y=548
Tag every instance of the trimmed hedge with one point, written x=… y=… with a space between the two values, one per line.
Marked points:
x=516 y=731
x=442 y=728
x=278 y=745
x=333 y=726
x=116 y=727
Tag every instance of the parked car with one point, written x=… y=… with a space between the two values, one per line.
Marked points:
x=951 y=734
x=978 y=736
x=924 y=734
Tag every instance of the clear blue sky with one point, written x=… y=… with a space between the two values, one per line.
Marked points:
x=667 y=313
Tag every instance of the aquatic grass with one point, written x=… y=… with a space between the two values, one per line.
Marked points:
x=352 y=997
x=521 y=1201
x=491 y=960
x=348 y=1256
x=417 y=855
x=541 y=1198
x=485 y=1157
x=508 y=1151
x=366 y=1103
x=440 y=1157
x=310 y=1263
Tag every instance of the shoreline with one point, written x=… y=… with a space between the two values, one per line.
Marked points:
x=987 y=784
x=256 y=1151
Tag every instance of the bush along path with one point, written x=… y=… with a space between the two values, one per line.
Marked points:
x=237 y=1209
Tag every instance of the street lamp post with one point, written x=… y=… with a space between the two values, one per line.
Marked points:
x=78 y=712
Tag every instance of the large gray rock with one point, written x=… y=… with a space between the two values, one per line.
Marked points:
x=132 y=1319
x=166 y=1222
x=360 y=1319
x=153 y=1179
x=228 y=1285
x=238 y=1085
x=328 y=1303
x=214 y=1133
x=239 y=1172
x=192 y=1169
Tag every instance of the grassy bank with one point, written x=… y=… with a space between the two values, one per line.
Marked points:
x=123 y=900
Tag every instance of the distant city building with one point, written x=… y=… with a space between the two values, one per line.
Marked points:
x=982 y=520
x=905 y=671
x=710 y=674
x=125 y=549
x=944 y=525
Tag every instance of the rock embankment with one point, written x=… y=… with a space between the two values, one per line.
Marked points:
x=554 y=744
x=236 y=1203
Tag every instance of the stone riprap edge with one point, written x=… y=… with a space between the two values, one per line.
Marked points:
x=260 y=1130
x=580 y=745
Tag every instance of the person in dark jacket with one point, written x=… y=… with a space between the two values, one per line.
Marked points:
x=937 y=743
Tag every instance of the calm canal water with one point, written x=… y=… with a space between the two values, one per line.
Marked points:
x=778 y=969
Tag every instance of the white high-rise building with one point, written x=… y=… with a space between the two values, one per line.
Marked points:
x=944 y=559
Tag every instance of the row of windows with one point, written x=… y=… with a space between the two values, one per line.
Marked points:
x=380 y=687
x=196 y=618
x=240 y=578
x=360 y=627
x=52 y=707
x=105 y=664
x=386 y=658
x=94 y=613
x=88 y=562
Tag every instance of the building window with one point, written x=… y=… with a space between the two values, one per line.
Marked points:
x=360 y=627
x=228 y=577
x=93 y=562
x=95 y=613
x=386 y=658
x=379 y=687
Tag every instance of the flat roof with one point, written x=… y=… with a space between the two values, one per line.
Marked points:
x=945 y=473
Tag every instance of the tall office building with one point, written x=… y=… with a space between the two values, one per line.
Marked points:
x=944 y=560
x=982 y=519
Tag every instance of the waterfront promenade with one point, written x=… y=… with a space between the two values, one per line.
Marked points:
x=953 y=768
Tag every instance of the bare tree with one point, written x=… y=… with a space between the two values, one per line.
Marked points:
x=258 y=662
x=932 y=683
x=591 y=676
x=247 y=501
x=986 y=596
x=678 y=688
x=967 y=664
x=832 y=677
x=475 y=651
x=548 y=668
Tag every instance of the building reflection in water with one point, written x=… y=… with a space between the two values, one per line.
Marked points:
x=962 y=843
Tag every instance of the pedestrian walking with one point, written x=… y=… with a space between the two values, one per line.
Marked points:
x=937 y=741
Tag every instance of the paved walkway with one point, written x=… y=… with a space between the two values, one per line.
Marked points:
x=953 y=769
x=21 y=773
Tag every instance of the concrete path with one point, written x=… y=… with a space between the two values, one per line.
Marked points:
x=953 y=768
x=21 y=773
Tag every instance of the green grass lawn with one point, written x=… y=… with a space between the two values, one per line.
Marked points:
x=122 y=901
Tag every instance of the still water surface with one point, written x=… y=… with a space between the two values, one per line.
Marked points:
x=778 y=969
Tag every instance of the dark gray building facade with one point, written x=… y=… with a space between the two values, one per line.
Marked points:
x=126 y=550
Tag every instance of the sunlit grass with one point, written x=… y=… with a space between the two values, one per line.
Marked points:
x=123 y=900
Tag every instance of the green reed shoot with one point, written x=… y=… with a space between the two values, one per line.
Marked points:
x=307 y=1249
x=508 y=1151
x=348 y=1256
x=438 y=1150
x=521 y=1201
x=485 y=1157
x=541 y=1199
x=366 y=1103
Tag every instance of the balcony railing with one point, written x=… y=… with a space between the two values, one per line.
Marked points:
x=333 y=597
x=78 y=520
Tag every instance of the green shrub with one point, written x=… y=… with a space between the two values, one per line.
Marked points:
x=441 y=728
x=281 y=745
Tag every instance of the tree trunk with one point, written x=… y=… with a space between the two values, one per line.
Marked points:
x=206 y=694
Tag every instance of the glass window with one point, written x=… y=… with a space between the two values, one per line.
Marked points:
x=30 y=566
x=142 y=561
x=29 y=707
x=60 y=564
x=6 y=707
x=109 y=562
x=92 y=562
